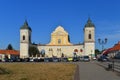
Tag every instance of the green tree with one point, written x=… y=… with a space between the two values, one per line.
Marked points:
x=97 y=51
x=9 y=47
x=33 y=51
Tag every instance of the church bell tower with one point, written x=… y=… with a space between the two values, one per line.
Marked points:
x=89 y=38
x=25 y=40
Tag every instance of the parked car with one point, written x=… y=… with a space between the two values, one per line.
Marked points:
x=19 y=60
x=48 y=59
x=86 y=58
x=64 y=59
x=117 y=56
x=81 y=58
x=35 y=60
x=70 y=59
x=56 y=60
x=75 y=59
x=31 y=59
x=26 y=59
x=93 y=58
x=103 y=58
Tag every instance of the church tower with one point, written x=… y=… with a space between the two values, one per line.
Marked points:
x=89 y=38
x=25 y=40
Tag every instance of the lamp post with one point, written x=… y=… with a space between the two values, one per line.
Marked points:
x=102 y=42
x=91 y=54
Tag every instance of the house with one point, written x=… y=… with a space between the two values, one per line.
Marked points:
x=8 y=54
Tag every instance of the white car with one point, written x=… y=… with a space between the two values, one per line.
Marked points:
x=86 y=58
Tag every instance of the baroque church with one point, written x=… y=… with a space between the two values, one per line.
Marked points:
x=59 y=44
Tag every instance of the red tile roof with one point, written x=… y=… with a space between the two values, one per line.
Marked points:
x=116 y=47
x=12 y=52
x=106 y=51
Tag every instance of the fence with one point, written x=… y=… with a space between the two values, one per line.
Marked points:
x=113 y=65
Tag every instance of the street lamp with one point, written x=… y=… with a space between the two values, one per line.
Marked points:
x=91 y=54
x=102 y=42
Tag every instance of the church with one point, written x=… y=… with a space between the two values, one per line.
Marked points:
x=60 y=45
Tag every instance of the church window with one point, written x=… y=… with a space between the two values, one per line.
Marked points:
x=89 y=36
x=59 y=41
x=23 y=37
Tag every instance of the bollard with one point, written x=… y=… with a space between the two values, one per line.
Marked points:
x=109 y=66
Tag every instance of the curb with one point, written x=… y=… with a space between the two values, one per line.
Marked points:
x=76 y=75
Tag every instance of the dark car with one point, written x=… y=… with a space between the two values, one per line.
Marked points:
x=20 y=60
x=48 y=59
x=39 y=60
x=75 y=59
x=117 y=56
x=56 y=60
x=81 y=58
x=26 y=59
x=64 y=59
x=36 y=60
x=103 y=58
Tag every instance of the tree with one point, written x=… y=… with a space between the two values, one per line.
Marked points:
x=97 y=51
x=33 y=51
x=9 y=47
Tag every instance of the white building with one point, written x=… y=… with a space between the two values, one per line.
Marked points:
x=59 y=44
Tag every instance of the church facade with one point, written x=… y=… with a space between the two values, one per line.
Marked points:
x=60 y=45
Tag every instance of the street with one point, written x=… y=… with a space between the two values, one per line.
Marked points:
x=92 y=71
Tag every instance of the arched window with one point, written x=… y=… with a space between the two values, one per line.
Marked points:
x=50 y=49
x=43 y=53
x=59 y=41
x=75 y=50
x=23 y=37
x=89 y=36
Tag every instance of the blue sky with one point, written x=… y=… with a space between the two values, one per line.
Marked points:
x=44 y=16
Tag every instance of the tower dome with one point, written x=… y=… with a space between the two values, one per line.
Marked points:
x=26 y=26
x=89 y=23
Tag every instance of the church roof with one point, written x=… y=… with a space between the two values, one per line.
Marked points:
x=89 y=23
x=26 y=26
x=59 y=28
x=59 y=31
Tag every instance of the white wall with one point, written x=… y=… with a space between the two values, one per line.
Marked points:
x=66 y=50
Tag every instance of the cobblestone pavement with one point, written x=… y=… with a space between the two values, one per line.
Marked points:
x=92 y=71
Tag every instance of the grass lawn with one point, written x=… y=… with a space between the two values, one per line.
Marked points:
x=37 y=71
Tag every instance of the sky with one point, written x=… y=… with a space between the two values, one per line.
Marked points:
x=44 y=16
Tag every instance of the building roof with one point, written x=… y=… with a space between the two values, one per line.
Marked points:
x=116 y=47
x=89 y=23
x=26 y=26
x=106 y=51
x=11 y=52
x=59 y=31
